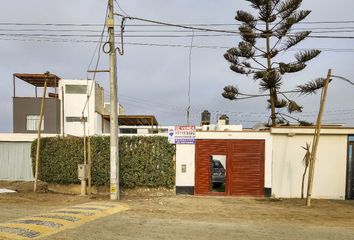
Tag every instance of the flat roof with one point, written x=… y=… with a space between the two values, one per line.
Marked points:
x=135 y=120
x=331 y=130
x=37 y=79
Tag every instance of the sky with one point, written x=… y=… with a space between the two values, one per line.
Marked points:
x=154 y=79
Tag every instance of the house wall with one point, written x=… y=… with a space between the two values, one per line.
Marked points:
x=185 y=154
x=99 y=99
x=74 y=105
x=330 y=167
x=99 y=124
x=106 y=126
x=23 y=106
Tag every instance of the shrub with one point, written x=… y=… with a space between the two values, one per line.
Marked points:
x=144 y=161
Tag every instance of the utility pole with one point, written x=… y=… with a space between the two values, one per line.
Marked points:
x=39 y=132
x=114 y=156
x=316 y=139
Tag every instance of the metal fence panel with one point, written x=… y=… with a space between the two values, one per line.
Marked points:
x=15 y=161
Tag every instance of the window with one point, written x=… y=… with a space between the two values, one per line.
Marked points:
x=32 y=122
x=75 y=119
x=76 y=89
x=129 y=131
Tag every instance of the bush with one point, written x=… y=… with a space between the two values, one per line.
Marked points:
x=144 y=161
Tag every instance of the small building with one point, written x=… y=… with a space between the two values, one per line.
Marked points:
x=26 y=110
x=265 y=163
x=67 y=108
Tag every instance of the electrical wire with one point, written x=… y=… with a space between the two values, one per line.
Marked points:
x=149 y=103
x=70 y=40
x=97 y=63
x=313 y=30
x=343 y=78
x=150 y=25
x=120 y=8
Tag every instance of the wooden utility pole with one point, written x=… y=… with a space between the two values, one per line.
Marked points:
x=316 y=139
x=62 y=111
x=89 y=163
x=83 y=180
x=114 y=156
x=39 y=132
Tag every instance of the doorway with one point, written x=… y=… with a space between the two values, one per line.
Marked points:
x=242 y=162
x=218 y=173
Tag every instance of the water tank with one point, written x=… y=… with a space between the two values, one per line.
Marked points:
x=205 y=117
x=224 y=120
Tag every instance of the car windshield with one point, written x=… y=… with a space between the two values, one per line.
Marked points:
x=217 y=164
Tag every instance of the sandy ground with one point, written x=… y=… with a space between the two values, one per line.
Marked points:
x=190 y=217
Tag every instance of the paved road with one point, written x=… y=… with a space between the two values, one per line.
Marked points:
x=129 y=227
x=48 y=224
x=63 y=217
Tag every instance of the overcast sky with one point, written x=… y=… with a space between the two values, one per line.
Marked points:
x=154 y=80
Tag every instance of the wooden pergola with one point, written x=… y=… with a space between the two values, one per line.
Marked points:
x=136 y=120
x=37 y=80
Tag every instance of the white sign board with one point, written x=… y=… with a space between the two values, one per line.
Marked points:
x=182 y=135
x=171 y=135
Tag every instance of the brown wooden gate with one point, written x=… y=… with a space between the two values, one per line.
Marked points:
x=244 y=165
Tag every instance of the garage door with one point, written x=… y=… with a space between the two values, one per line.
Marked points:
x=244 y=168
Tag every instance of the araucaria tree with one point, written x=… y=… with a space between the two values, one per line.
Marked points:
x=264 y=37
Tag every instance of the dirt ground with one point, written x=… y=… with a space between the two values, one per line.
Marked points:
x=192 y=217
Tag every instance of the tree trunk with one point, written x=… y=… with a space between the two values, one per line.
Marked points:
x=272 y=91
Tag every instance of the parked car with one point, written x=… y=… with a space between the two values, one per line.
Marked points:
x=218 y=173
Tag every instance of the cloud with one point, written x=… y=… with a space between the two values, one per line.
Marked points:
x=154 y=80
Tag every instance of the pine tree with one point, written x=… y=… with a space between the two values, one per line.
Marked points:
x=264 y=37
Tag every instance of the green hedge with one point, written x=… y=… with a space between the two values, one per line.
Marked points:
x=144 y=161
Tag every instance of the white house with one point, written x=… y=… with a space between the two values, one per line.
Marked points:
x=266 y=163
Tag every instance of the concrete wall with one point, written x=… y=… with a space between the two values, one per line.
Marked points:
x=185 y=155
x=99 y=99
x=330 y=168
x=23 y=106
x=99 y=124
x=74 y=105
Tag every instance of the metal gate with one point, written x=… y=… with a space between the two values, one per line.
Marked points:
x=15 y=161
x=244 y=166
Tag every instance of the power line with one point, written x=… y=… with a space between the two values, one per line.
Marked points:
x=120 y=8
x=149 y=25
x=156 y=36
x=71 y=40
x=257 y=113
x=335 y=29
x=97 y=62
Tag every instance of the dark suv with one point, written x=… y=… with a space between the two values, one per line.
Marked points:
x=218 y=177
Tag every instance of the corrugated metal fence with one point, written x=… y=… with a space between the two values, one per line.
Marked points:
x=15 y=161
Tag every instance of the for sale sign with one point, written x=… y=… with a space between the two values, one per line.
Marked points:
x=185 y=134
x=181 y=135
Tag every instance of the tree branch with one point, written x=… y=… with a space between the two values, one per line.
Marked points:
x=255 y=60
